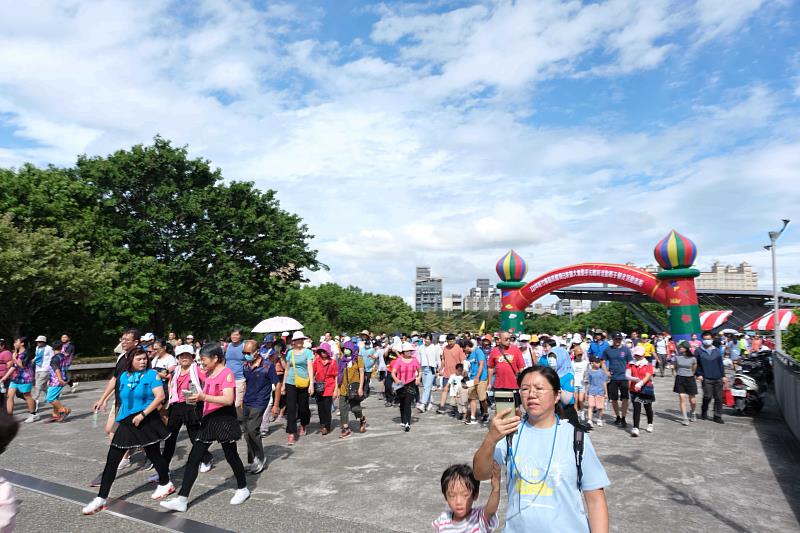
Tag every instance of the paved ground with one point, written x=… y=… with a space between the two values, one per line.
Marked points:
x=741 y=476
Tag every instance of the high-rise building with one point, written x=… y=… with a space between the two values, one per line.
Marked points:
x=724 y=277
x=454 y=302
x=483 y=297
x=427 y=291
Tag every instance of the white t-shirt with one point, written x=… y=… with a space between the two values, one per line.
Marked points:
x=548 y=500
x=455 y=384
x=47 y=355
x=166 y=362
x=579 y=371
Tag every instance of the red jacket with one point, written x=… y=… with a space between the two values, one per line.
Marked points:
x=328 y=372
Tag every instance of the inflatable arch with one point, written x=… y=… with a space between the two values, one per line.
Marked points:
x=672 y=287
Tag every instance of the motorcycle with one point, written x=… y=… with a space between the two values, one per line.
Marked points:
x=747 y=398
x=758 y=366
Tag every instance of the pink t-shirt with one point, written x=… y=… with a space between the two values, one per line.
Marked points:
x=214 y=387
x=406 y=370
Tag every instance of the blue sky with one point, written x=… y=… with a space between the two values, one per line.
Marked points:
x=571 y=131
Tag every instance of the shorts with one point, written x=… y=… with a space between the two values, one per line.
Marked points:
x=685 y=385
x=578 y=388
x=618 y=389
x=597 y=401
x=478 y=391
x=53 y=393
x=24 y=388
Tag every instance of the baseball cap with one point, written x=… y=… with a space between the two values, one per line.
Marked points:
x=41 y=338
x=617 y=335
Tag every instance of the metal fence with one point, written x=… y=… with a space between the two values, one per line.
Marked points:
x=787 y=389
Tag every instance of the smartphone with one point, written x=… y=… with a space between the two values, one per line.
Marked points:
x=503 y=400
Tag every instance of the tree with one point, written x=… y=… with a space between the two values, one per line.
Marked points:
x=41 y=271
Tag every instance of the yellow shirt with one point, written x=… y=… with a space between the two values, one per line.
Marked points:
x=649 y=350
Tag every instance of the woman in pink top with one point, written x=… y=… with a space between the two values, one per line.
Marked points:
x=219 y=424
x=6 y=362
x=406 y=374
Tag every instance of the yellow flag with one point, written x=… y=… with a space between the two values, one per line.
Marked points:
x=483 y=326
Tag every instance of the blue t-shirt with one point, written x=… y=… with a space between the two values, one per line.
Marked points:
x=549 y=499
x=136 y=391
x=475 y=359
x=234 y=359
x=302 y=360
x=597 y=348
x=597 y=378
x=617 y=360
x=259 y=382
x=568 y=385
x=365 y=354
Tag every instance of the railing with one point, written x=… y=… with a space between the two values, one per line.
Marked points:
x=787 y=389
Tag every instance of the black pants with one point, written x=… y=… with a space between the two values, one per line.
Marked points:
x=172 y=441
x=199 y=449
x=367 y=374
x=388 y=393
x=712 y=389
x=296 y=405
x=115 y=456
x=407 y=398
x=324 y=404
x=637 y=413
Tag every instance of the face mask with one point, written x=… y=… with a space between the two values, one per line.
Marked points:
x=249 y=357
x=707 y=342
x=552 y=362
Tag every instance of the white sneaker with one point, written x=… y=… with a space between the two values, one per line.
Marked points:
x=33 y=417
x=635 y=432
x=74 y=387
x=95 y=506
x=429 y=407
x=125 y=463
x=590 y=423
x=693 y=418
x=600 y=423
x=420 y=408
x=649 y=428
x=205 y=467
x=240 y=496
x=178 y=503
x=162 y=491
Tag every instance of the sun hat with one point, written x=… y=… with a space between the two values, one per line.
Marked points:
x=534 y=338
x=638 y=350
x=364 y=332
x=442 y=338
x=524 y=337
x=407 y=347
x=323 y=348
x=298 y=335
x=184 y=349
x=41 y=338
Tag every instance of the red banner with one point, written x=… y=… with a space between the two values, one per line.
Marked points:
x=611 y=274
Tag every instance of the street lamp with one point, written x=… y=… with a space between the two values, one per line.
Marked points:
x=773 y=237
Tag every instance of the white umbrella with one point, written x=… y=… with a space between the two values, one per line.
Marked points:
x=729 y=330
x=277 y=324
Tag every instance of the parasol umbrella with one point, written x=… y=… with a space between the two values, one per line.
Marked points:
x=729 y=330
x=277 y=324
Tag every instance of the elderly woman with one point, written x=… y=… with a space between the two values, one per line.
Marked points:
x=351 y=388
x=298 y=386
x=326 y=373
x=546 y=490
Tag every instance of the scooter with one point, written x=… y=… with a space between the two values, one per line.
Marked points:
x=746 y=396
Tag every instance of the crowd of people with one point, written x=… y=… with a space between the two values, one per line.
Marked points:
x=237 y=388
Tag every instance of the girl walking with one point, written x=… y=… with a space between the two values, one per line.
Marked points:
x=640 y=380
x=21 y=372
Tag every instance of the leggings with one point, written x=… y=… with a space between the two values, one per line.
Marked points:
x=172 y=440
x=114 y=457
x=637 y=413
x=407 y=398
x=196 y=455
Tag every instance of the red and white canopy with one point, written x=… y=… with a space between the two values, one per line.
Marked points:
x=767 y=321
x=713 y=319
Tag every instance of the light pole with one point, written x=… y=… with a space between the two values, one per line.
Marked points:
x=773 y=238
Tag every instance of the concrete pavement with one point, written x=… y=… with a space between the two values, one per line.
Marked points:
x=740 y=476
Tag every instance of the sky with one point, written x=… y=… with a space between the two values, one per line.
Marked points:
x=441 y=133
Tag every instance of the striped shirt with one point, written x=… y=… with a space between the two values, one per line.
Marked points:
x=476 y=522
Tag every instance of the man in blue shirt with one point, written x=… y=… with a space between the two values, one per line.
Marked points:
x=479 y=375
x=615 y=360
x=598 y=346
x=710 y=372
x=234 y=359
x=260 y=376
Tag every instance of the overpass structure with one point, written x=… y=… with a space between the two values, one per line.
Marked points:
x=746 y=305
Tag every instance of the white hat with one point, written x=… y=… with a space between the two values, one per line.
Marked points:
x=41 y=338
x=189 y=336
x=442 y=338
x=183 y=349
x=298 y=335
x=364 y=332
x=577 y=338
x=524 y=337
x=407 y=347
x=147 y=337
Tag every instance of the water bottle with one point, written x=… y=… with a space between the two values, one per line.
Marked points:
x=95 y=416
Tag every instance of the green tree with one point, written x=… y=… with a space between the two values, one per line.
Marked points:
x=41 y=271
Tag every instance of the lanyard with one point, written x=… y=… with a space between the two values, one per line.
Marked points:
x=512 y=467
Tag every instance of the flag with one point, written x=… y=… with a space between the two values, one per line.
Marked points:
x=483 y=326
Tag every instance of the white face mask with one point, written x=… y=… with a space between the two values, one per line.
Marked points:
x=708 y=342
x=552 y=362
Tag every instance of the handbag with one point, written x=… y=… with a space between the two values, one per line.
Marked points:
x=299 y=381
x=319 y=386
x=352 y=388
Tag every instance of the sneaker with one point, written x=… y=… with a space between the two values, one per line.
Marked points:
x=719 y=420
x=471 y=421
x=693 y=418
x=205 y=467
x=74 y=387
x=291 y=439
x=420 y=408
x=600 y=423
x=623 y=424
x=125 y=463
x=387 y=404
x=302 y=430
x=162 y=491
x=485 y=418
x=96 y=482
x=429 y=407
x=178 y=503
x=618 y=421
x=635 y=432
x=33 y=417
x=257 y=467
x=240 y=496
x=685 y=422
x=96 y=505
x=441 y=411
x=649 y=428
x=590 y=423
x=407 y=428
